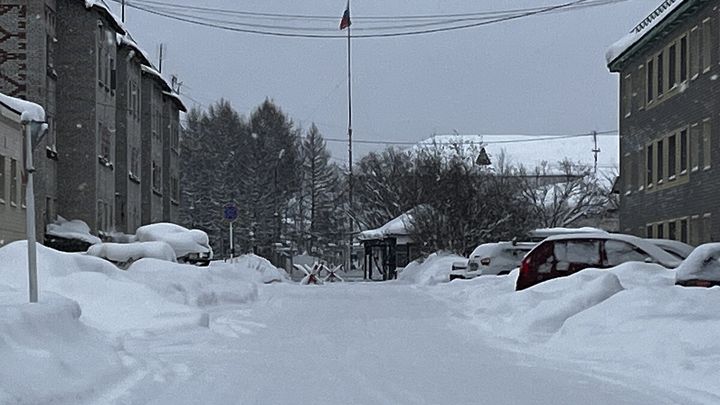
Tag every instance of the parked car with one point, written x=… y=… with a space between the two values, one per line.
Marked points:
x=190 y=245
x=124 y=254
x=69 y=236
x=701 y=268
x=457 y=267
x=676 y=248
x=540 y=234
x=562 y=255
x=493 y=259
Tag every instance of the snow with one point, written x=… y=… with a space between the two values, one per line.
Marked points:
x=702 y=264
x=432 y=270
x=28 y=111
x=75 y=229
x=70 y=346
x=182 y=240
x=167 y=333
x=395 y=227
x=127 y=252
x=646 y=26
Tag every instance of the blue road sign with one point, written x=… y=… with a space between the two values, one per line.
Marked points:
x=230 y=212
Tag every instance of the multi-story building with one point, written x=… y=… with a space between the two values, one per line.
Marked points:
x=86 y=114
x=28 y=53
x=113 y=140
x=160 y=148
x=669 y=109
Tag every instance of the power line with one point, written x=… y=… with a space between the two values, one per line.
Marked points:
x=272 y=31
x=532 y=138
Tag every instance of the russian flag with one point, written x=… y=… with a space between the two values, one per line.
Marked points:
x=345 y=22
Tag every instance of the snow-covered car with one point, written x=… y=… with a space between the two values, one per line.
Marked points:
x=701 y=268
x=562 y=255
x=69 y=236
x=676 y=248
x=190 y=245
x=124 y=254
x=493 y=259
x=458 y=267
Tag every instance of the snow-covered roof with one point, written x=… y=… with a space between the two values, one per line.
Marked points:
x=28 y=111
x=529 y=151
x=168 y=90
x=399 y=226
x=644 y=28
x=127 y=40
x=101 y=6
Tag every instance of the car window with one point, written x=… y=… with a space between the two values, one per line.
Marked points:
x=620 y=252
x=571 y=253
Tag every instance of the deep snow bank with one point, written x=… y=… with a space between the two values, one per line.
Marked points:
x=48 y=354
x=433 y=270
x=629 y=321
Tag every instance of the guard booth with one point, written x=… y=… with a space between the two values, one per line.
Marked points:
x=388 y=249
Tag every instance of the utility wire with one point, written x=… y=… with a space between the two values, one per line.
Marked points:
x=273 y=30
x=532 y=138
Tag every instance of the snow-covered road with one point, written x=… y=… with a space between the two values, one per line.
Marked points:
x=353 y=343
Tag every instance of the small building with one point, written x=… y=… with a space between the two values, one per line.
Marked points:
x=669 y=138
x=389 y=248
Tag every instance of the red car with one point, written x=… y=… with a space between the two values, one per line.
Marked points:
x=562 y=255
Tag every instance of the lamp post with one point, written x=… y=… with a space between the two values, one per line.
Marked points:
x=32 y=129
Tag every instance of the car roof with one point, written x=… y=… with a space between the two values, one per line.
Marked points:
x=675 y=246
x=648 y=247
x=494 y=247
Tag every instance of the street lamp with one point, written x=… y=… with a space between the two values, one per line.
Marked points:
x=34 y=131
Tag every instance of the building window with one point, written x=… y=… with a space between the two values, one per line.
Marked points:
x=175 y=188
x=659 y=160
x=156 y=177
x=649 y=231
x=683 y=59
x=694 y=52
x=672 y=67
x=649 y=166
x=672 y=155
x=2 y=179
x=684 y=230
x=672 y=230
x=641 y=90
x=135 y=164
x=707 y=228
x=660 y=74
x=695 y=230
x=627 y=95
x=660 y=231
x=14 y=182
x=683 y=151
x=706 y=132
x=695 y=141
x=706 y=53
x=649 y=81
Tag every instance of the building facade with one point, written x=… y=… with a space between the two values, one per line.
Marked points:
x=86 y=124
x=28 y=50
x=113 y=140
x=669 y=120
x=12 y=203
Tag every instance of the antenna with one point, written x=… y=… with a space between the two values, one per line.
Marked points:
x=595 y=151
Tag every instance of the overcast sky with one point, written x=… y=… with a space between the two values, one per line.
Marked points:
x=542 y=74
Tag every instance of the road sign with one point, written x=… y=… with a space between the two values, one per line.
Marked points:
x=230 y=212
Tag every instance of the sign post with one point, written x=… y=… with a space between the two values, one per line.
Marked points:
x=230 y=213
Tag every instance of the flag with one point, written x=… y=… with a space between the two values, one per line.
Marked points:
x=345 y=22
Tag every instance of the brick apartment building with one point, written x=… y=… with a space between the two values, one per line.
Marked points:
x=669 y=119
x=74 y=58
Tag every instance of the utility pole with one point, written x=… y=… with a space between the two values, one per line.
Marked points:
x=596 y=151
x=123 y=11
x=161 y=58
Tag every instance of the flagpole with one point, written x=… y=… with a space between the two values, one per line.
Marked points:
x=350 y=161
